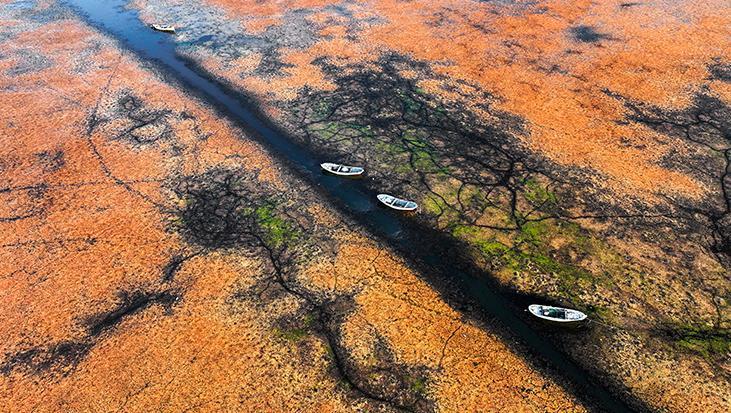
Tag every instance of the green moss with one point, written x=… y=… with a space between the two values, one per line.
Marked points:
x=492 y=247
x=535 y=232
x=345 y=384
x=537 y=194
x=308 y=320
x=277 y=230
x=402 y=168
x=704 y=340
x=577 y=235
x=364 y=130
x=434 y=205
x=329 y=352
x=388 y=150
x=410 y=104
x=294 y=335
x=560 y=250
x=326 y=130
x=600 y=312
x=423 y=161
x=322 y=109
x=417 y=384
x=466 y=231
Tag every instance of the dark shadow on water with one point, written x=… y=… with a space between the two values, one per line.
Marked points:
x=439 y=257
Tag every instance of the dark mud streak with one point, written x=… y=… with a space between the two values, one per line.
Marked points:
x=587 y=34
x=36 y=204
x=706 y=124
x=395 y=395
x=62 y=358
x=175 y=263
x=130 y=303
x=93 y=122
x=140 y=117
x=29 y=61
x=720 y=70
x=222 y=210
x=14 y=218
x=388 y=381
x=629 y=5
x=461 y=283
x=52 y=161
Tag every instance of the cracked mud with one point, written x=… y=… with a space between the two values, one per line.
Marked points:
x=579 y=151
x=152 y=252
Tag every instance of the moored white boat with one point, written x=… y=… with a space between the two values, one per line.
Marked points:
x=163 y=28
x=343 y=170
x=397 y=203
x=558 y=314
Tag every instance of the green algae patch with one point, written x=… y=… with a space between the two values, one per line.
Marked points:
x=706 y=341
x=417 y=385
x=293 y=335
x=278 y=231
x=538 y=195
x=562 y=253
x=536 y=233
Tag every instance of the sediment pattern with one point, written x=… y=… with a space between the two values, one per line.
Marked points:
x=579 y=150
x=154 y=258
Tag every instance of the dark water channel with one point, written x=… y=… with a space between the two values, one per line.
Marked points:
x=114 y=18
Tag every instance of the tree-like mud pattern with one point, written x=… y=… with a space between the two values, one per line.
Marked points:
x=62 y=357
x=119 y=297
x=475 y=178
x=33 y=202
x=141 y=124
x=706 y=128
x=413 y=144
x=524 y=216
x=706 y=125
x=226 y=209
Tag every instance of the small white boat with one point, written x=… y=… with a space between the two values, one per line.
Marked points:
x=343 y=170
x=397 y=203
x=561 y=315
x=163 y=28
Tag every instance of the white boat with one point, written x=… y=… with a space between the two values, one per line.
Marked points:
x=163 y=28
x=397 y=203
x=343 y=170
x=561 y=315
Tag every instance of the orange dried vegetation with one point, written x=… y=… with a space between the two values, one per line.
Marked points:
x=425 y=331
x=95 y=237
x=527 y=56
x=89 y=227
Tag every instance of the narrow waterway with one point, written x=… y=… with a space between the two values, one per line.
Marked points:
x=114 y=18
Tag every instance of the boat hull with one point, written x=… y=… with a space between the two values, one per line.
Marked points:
x=164 y=29
x=395 y=203
x=556 y=314
x=342 y=170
